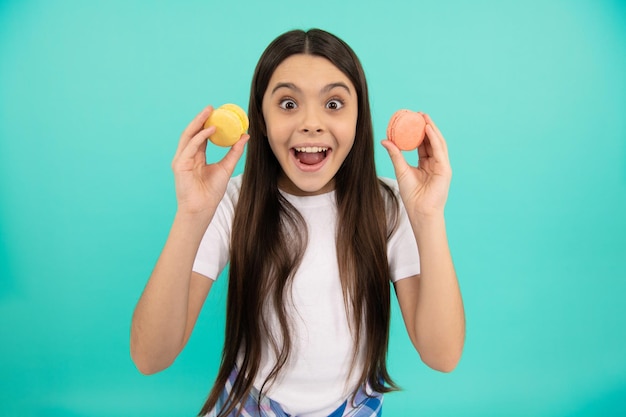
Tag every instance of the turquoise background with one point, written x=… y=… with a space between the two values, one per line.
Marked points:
x=531 y=96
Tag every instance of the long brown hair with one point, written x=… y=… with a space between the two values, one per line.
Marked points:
x=268 y=241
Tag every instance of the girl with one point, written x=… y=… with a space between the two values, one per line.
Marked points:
x=313 y=238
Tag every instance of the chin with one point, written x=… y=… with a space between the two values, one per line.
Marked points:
x=303 y=187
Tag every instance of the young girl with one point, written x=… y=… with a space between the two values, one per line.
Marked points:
x=313 y=239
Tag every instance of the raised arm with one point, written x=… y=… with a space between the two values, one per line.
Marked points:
x=431 y=302
x=173 y=297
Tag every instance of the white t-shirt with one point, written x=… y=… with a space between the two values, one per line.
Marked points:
x=317 y=378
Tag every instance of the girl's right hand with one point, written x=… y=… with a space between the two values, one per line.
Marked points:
x=201 y=186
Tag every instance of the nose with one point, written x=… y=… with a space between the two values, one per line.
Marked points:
x=312 y=122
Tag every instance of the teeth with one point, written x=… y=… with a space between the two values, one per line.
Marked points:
x=311 y=149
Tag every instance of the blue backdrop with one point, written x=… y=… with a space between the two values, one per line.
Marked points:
x=531 y=96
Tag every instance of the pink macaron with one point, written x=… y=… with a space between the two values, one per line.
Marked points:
x=406 y=129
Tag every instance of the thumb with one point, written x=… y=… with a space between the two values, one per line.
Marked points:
x=397 y=159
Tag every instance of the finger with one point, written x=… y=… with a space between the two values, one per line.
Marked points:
x=422 y=151
x=430 y=121
x=397 y=159
x=436 y=145
x=202 y=149
x=234 y=153
x=193 y=128
x=197 y=143
x=436 y=148
x=440 y=137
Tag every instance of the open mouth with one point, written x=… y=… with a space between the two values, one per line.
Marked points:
x=311 y=156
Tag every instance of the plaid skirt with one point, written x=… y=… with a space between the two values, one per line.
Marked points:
x=363 y=405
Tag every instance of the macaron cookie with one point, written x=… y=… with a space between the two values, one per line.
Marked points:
x=406 y=129
x=230 y=121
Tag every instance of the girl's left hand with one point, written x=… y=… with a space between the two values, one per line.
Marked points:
x=424 y=189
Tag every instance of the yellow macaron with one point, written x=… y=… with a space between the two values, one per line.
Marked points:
x=231 y=121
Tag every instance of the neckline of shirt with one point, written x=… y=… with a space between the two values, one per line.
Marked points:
x=310 y=200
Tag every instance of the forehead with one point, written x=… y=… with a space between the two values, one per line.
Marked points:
x=308 y=71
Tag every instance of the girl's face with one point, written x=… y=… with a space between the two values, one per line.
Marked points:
x=310 y=110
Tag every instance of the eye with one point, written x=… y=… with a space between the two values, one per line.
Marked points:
x=288 y=104
x=334 y=104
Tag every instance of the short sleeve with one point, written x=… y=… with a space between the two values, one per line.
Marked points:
x=214 y=250
x=402 y=251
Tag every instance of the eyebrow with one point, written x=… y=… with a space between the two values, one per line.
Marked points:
x=326 y=89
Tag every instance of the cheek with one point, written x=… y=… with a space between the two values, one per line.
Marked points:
x=280 y=128
x=346 y=131
x=349 y=124
x=276 y=132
